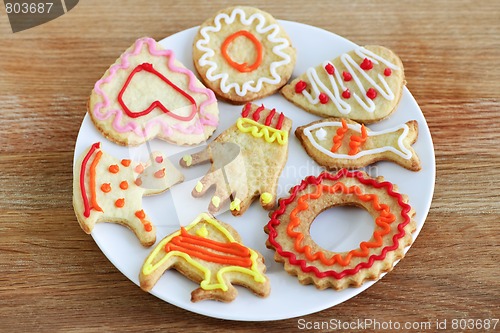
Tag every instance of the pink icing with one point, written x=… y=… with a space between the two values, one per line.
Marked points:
x=205 y=119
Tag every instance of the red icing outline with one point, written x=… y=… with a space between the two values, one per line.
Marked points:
x=149 y=68
x=86 y=211
x=311 y=180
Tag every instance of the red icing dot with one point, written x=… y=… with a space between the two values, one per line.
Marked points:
x=159 y=159
x=346 y=94
x=387 y=71
x=371 y=93
x=366 y=64
x=323 y=98
x=330 y=69
x=300 y=86
x=347 y=76
x=160 y=173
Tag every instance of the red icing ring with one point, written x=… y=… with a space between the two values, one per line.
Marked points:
x=296 y=259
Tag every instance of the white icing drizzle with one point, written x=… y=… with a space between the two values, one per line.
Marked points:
x=321 y=134
x=402 y=151
x=250 y=85
x=335 y=80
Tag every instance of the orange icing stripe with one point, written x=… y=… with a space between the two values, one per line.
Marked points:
x=233 y=253
x=244 y=67
x=356 y=141
x=337 y=139
x=92 y=181
x=383 y=220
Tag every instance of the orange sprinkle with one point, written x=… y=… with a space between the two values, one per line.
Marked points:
x=114 y=168
x=120 y=203
x=148 y=227
x=160 y=173
x=125 y=162
x=106 y=187
x=124 y=185
x=140 y=214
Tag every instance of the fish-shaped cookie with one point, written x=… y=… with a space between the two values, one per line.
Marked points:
x=208 y=252
x=106 y=189
x=364 y=85
x=247 y=160
x=341 y=143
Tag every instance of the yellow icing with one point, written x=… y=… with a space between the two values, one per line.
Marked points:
x=148 y=266
x=266 y=198
x=198 y=187
x=261 y=131
x=235 y=204
x=202 y=232
x=216 y=201
x=187 y=159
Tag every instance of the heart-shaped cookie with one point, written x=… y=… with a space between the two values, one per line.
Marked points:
x=364 y=85
x=148 y=94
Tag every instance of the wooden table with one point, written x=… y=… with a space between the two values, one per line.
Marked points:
x=55 y=278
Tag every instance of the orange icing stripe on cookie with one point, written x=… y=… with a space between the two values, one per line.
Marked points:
x=337 y=139
x=356 y=141
x=93 y=200
x=244 y=67
x=383 y=220
x=233 y=254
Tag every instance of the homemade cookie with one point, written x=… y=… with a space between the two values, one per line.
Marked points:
x=106 y=189
x=247 y=160
x=341 y=143
x=290 y=237
x=208 y=252
x=148 y=94
x=243 y=54
x=364 y=85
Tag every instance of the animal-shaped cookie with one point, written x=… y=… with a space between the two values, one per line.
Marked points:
x=364 y=85
x=148 y=94
x=247 y=160
x=106 y=189
x=242 y=54
x=208 y=252
x=341 y=143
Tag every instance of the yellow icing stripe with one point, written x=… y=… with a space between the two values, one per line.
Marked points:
x=198 y=187
x=148 y=267
x=261 y=131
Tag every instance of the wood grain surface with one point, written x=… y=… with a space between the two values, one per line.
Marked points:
x=53 y=276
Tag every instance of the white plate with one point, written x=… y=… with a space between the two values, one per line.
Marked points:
x=176 y=207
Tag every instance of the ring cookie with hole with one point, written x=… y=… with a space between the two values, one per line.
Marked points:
x=289 y=235
x=364 y=85
x=106 y=189
x=243 y=54
x=147 y=93
x=210 y=253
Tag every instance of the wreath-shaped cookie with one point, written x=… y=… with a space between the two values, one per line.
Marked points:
x=289 y=228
